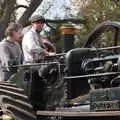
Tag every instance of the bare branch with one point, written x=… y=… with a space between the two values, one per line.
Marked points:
x=21 y=6
x=47 y=10
x=32 y=7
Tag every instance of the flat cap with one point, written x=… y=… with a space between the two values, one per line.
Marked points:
x=36 y=18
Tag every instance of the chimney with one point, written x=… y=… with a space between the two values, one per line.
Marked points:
x=67 y=37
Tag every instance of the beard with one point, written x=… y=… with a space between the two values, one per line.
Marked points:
x=38 y=30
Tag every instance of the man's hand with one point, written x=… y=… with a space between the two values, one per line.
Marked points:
x=52 y=54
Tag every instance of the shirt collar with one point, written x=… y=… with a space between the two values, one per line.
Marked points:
x=33 y=30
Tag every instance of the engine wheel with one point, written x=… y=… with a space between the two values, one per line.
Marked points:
x=104 y=35
x=14 y=103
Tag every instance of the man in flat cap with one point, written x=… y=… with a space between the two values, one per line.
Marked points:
x=33 y=47
x=34 y=51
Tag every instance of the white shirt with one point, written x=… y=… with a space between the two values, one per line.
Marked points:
x=31 y=45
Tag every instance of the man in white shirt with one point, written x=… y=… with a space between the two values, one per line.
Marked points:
x=34 y=50
x=32 y=45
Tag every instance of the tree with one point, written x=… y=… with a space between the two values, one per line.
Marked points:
x=29 y=11
x=95 y=12
x=7 y=8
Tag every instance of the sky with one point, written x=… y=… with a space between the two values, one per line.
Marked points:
x=21 y=10
x=56 y=10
